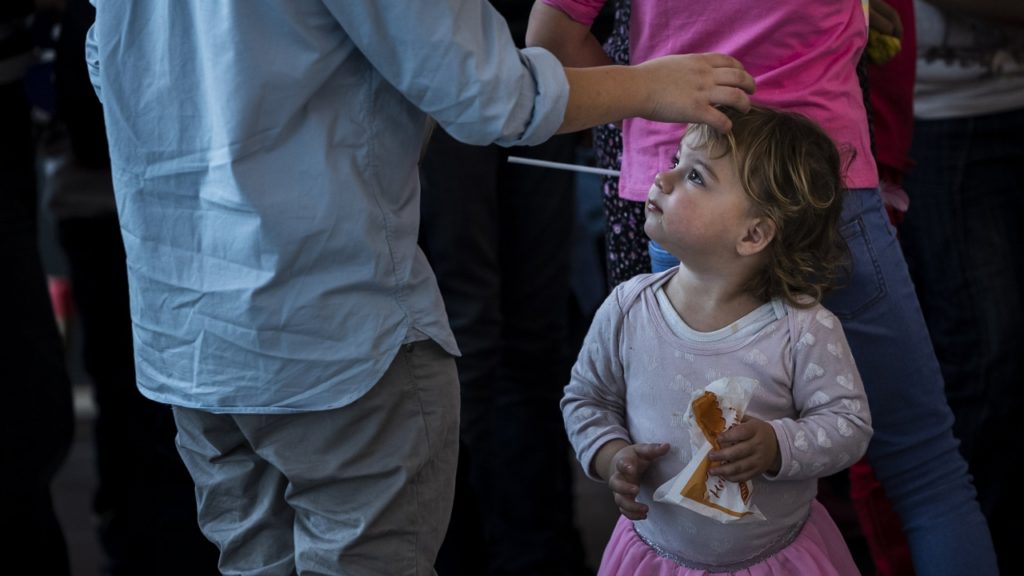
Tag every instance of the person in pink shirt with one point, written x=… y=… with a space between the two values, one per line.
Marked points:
x=804 y=58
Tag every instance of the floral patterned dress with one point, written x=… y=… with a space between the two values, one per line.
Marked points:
x=625 y=240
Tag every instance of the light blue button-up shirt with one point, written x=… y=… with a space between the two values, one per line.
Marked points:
x=264 y=157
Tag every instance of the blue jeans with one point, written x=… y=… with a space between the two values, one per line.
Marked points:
x=966 y=201
x=913 y=451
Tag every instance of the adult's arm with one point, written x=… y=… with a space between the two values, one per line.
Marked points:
x=680 y=88
x=570 y=41
x=481 y=89
x=672 y=89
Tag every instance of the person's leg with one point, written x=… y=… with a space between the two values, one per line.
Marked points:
x=966 y=199
x=240 y=496
x=459 y=233
x=365 y=489
x=370 y=484
x=530 y=461
x=497 y=236
x=913 y=451
x=39 y=423
x=145 y=498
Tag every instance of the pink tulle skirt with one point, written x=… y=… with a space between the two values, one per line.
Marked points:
x=819 y=549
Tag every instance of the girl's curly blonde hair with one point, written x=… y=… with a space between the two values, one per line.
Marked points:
x=793 y=174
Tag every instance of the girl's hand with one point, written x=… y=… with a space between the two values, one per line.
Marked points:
x=749 y=449
x=626 y=468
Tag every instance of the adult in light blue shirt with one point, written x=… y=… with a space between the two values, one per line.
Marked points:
x=264 y=158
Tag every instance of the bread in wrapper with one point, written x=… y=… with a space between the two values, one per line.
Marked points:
x=712 y=411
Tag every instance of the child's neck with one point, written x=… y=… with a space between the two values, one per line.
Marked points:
x=708 y=304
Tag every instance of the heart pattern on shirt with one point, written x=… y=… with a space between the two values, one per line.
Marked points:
x=800 y=441
x=825 y=318
x=813 y=371
x=819 y=398
x=835 y=349
x=806 y=340
x=845 y=430
x=756 y=357
x=822 y=439
x=845 y=380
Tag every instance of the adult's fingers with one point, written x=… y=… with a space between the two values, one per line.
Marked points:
x=733 y=76
x=886 y=19
x=880 y=23
x=719 y=60
x=716 y=119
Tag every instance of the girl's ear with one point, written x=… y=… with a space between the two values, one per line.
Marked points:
x=759 y=234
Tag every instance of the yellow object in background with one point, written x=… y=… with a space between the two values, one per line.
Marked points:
x=882 y=47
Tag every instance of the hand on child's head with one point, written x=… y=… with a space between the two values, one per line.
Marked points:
x=691 y=85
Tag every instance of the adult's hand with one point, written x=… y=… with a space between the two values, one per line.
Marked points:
x=885 y=19
x=688 y=87
x=679 y=88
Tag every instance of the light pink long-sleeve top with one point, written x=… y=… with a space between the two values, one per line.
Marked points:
x=638 y=369
x=802 y=54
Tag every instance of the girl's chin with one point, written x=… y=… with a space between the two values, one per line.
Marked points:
x=651 y=226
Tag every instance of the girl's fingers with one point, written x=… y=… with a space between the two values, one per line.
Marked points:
x=652 y=451
x=734 y=471
x=631 y=508
x=620 y=485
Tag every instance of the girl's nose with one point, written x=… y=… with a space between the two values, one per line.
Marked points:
x=663 y=182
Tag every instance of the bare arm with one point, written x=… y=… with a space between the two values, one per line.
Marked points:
x=680 y=88
x=571 y=42
x=1002 y=11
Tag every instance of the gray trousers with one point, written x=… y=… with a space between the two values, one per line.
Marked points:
x=365 y=489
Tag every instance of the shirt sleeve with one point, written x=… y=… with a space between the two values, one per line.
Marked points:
x=456 y=61
x=92 y=60
x=582 y=11
x=833 y=425
x=594 y=403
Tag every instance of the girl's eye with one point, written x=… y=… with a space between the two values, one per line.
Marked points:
x=694 y=176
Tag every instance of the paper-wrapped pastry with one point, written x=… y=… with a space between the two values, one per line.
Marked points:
x=712 y=411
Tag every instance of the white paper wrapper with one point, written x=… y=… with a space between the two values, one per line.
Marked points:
x=693 y=488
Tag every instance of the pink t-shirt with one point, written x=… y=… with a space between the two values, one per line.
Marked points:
x=802 y=54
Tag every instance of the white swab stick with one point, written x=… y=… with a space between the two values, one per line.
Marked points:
x=562 y=166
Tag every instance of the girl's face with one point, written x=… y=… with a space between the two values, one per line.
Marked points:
x=698 y=210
